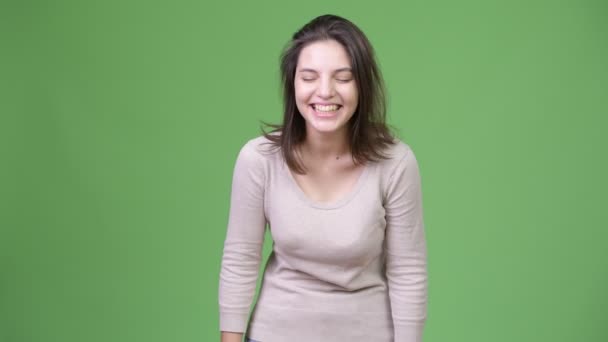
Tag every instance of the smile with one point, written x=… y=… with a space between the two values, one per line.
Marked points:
x=326 y=108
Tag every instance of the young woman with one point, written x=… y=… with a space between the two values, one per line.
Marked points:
x=342 y=199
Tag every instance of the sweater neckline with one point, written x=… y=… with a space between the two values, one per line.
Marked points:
x=328 y=205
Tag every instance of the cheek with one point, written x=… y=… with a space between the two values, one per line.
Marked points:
x=352 y=95
x=302 y=98
x=301 y=92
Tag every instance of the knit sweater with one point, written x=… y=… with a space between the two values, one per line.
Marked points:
x=351 y=270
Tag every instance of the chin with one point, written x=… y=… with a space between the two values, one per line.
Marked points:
x=327 y=129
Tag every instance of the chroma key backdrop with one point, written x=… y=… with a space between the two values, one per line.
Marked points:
x=120 y=122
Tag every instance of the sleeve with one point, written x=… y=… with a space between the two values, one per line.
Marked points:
x=406 y=253
x=244 y=240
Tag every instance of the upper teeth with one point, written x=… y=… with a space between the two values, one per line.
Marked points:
x=326 y=108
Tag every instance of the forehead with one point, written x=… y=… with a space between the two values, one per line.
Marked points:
x=324 y=55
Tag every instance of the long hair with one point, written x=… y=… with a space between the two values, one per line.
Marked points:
x=367 y=130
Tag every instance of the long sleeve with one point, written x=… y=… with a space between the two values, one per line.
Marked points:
x=406 y=252
x=244 y=240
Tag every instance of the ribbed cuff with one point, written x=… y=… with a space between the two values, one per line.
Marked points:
x=409 y=333
x=233 y=322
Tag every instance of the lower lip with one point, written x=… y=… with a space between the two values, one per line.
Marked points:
x=325 y=114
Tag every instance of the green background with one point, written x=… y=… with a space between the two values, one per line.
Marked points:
x=121 y=121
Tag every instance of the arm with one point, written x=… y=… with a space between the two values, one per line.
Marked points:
x=243 y=244
x=406 y=254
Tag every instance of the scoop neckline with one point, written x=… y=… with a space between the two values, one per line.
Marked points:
x=328 y=205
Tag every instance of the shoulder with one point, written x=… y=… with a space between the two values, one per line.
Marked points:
x=399 y=170
x=259 y=146
x=399 y=154
x=256 y=151
x=398 y=149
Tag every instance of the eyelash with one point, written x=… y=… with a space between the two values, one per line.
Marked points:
x=339 y=80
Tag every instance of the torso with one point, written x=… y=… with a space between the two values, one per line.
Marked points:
x=328 y=230
x=328 y=182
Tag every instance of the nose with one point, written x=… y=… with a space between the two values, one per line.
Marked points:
x=326 y=89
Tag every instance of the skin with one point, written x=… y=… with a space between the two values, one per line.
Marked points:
x=323 y=76
x=231 y=337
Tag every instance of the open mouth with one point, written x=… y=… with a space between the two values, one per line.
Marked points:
x=325 y=108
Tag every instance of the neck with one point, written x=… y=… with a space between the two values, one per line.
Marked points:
x=326 y=146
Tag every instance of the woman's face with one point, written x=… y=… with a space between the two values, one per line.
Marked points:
x=325 y=89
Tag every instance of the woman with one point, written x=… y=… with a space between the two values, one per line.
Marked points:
x=342 y=199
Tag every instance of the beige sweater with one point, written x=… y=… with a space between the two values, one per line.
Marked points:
x=352 y=270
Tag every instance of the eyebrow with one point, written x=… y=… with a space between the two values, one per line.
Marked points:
x=337 y=70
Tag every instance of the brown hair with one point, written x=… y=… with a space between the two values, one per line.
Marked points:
x=368 y=132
